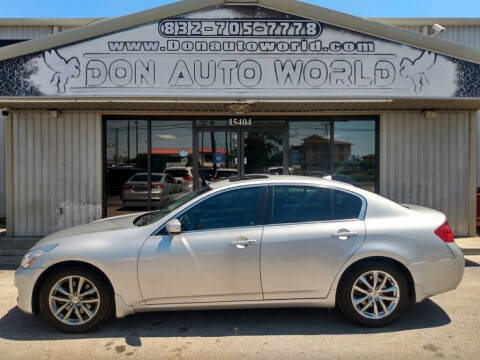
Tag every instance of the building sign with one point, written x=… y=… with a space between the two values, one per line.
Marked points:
x=241 y=52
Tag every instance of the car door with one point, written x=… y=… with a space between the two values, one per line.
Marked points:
x=215 y=258
x=312 y=231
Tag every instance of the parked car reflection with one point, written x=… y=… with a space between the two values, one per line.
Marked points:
x=135 y=190
x=223 y=174
x=278 y=170
x=182 y=176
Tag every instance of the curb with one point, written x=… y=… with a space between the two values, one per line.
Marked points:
x=471 y=251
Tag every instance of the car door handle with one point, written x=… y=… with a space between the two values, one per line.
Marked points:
x=344 y=235
x=243 y=243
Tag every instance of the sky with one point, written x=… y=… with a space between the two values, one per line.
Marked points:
x=365 y=8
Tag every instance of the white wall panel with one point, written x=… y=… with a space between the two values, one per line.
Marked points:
x=426 y=162
x=57 y=181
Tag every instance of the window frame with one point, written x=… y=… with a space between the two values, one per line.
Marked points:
x=270 y=203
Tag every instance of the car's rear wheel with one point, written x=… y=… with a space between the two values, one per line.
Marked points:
x=75 y=299
x=374 y=294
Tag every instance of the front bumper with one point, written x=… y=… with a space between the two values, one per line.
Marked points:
x=25 y=280
x=436 y=277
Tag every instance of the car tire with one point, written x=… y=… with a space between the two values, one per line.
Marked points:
x=81 y=298
x=370 y=305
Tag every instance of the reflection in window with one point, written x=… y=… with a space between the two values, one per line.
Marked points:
x=263 y=152
x=354 y=153
x=171 y=145
x=125 y=155
x=235 y=208
x=296 y=204
x=172 y=153
x=310 y=148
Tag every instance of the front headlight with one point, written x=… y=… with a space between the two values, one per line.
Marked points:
x=33 y=255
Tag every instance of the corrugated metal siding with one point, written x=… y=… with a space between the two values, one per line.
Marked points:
x=426 y=162
x=417 y=28
x=2 y=167
x=478 y=148
x=24 y=32
x=56 y=171
x=465 y=34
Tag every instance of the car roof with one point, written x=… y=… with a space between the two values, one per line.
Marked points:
x=254 y=179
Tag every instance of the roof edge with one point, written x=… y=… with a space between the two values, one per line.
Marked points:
x=49 y=21
x=376 y=29
x=370 y=27
x=107 y=26
x=425 y=21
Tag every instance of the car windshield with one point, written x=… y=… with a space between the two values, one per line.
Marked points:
x=151 y=217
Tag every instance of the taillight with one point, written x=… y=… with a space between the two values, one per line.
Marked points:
x=158 y=186
x=188 y=177
x=445 y=233
x=127 y=186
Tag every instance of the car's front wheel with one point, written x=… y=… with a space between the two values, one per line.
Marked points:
x=374 y=294
x=75 y=299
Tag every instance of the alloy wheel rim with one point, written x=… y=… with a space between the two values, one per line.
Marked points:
x=375 y=294
x=74 y=300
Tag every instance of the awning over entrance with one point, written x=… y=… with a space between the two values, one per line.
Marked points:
x=224 y=107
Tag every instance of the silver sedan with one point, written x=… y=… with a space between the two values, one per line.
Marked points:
x=257 y=241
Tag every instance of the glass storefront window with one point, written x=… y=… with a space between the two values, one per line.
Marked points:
x=351 y=158
x=310 y=148
x=126 y=149
x=128 y=185
x=151 y=161
x=355 y=158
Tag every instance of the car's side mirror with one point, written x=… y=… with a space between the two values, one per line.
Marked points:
x=174 y=227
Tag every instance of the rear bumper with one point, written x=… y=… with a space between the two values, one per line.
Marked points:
x=436 y=277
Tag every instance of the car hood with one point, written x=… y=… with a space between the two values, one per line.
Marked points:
x=98 y=226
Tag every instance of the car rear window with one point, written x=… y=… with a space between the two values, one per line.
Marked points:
x=177 y=172
x=144 y=178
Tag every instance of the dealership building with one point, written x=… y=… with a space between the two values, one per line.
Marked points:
x=96 y=110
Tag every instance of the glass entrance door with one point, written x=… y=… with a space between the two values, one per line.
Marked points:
x=218 y=155
x=263 y=152
x=226 y=152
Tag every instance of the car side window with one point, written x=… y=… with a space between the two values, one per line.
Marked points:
x=234 y=208
x=346 y=205
x=295 y=204
x=300 y=204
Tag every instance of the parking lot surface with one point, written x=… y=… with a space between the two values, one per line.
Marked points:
x=446 y=326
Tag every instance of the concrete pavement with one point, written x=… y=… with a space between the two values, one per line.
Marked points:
x=469 y=246
x=447 y=326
